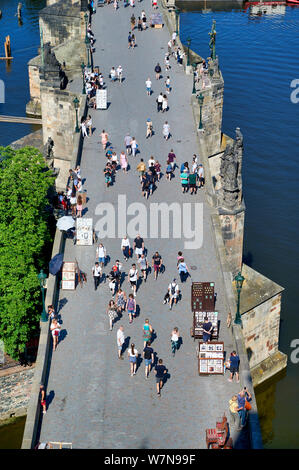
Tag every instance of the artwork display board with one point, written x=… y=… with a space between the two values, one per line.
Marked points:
x=198 y=320
x=210 y=358
x=101 y=99
x=84 y=231
x=156 y=20
x=202 y=296
x=68 y=276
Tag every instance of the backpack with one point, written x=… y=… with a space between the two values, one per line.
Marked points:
x=173 y=289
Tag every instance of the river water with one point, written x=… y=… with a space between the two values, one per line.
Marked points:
x=258 y=59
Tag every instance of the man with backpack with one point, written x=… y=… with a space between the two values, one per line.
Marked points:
x=148 y=356
x=172 y=294
x=158 y=71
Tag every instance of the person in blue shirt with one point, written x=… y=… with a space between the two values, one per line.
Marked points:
x=234 y=366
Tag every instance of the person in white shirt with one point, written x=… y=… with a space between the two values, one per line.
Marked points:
x=175 y=335
x=148 y=85
x=173 y=38
x=120 y=339
x=119 y=71
x=173 y=293
x=151 y=162
x=96 y=272
x=101 y=254
x=143 y=264
x=134 y=146
x=166 y=130
x=133 y=278
x=164 y=104
x=125 y=246
x=201 y=176
x=133 y=354
x=113 y=74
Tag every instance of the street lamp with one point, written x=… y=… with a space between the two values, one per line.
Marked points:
x=239 y=282
x=83 y=88
x=86 y=19
x=177 y=13
x=200 y=102
x=188 y=53
x=42 y=278
x=76 y=106
x=194 y=65
x=87 y=44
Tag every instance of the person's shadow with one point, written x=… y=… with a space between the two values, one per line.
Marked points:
x=137 y=311
x=126 y=344
x=138 y=362
x=180 y=342
x=62 y=336
x=50 y=398
x=153 y=336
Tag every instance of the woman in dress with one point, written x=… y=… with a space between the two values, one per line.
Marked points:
x=104 y=139
x=55 y=330
x=123 y=161
x=147 y=332
x=149 y=128
x=164 y=104
x=120 y=300
x=134 y=146
x=111 y=312
x=89 y=125
x=79 y=206
x=133 y=354
x=174 y=340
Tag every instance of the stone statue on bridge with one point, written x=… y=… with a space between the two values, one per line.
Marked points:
x=230 y=194
x=212 y=43
x=48 y=154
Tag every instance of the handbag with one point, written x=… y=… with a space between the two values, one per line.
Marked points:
x=247 y=405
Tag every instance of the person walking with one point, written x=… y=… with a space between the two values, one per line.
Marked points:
x=148 y=356
x=159 y=102
x=234 y=366
x=125 y=246
x=169 y=170
x=183 y=270
x=139 y=24
x=115 y=5
x=131 y=307
x=113 y=74
x=133 y=22
x=174 y=338
x=201 y=176
x=89 y=125
x=156 y=264
x=119 y=72
x=148 y=85
x=145 y=185
x=123 y=160
x=141 y=168
x=111 y=312
x=83 y=127
x=143 y=264
x=157 y=167
x=120 y=339
x=120 y=300
x=129 y=40
x=96 y=272
x=241 y=400
x=160 y=371
x=166 y=130
x=149 y=128
x=55 y=328
x=167 y=84
x=173 y=294
x=172 y=158
x=43 y=401
x=133 y=41
x=138 y=246
x=207 y=329
x=134 y=146
x=73 y=203
x=104 y=138
x=101 y=254
x=167 y=62
x=143 y=18
x=147 y=332
x=133 y=354
x=164 y=104
x=128 y=140
x=158 y=71
x=133 y=278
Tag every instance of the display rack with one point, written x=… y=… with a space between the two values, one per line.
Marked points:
x=198 y=320
x=210 y=358
x=68 y=276
x=84 y=232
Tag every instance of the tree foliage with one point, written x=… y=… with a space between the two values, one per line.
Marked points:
x=24 y=184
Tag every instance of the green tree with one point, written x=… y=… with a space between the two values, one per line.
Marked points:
x=24 y=184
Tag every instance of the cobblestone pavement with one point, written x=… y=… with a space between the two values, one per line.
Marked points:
x=95 y=403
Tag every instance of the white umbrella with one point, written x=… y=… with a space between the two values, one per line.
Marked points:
x=65 y=222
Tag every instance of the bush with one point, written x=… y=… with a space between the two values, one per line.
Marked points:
x=24 y=184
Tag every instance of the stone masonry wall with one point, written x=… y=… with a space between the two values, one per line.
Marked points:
x=261 y=330
x=212 y=115
x=15 y=392
x=232 y=226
